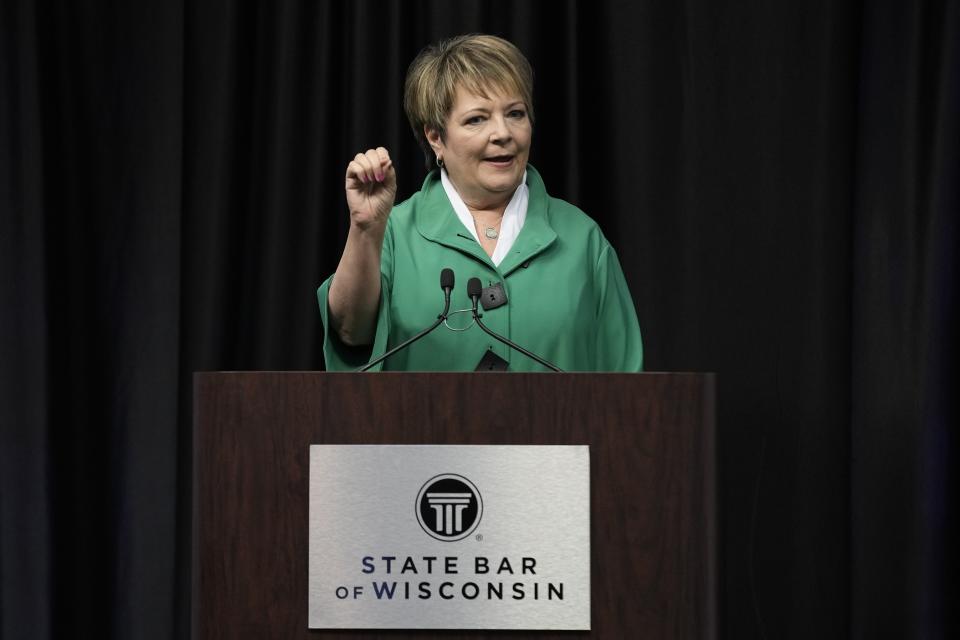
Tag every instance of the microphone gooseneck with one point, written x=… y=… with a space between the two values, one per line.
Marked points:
x=475 y=290
x=446 y=283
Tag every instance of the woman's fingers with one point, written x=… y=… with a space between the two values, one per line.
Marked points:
x=360 y=172
x=371 y=186
x=370 y=166
x=375 y=171
x=384 y=156
x=386 y=163
x=359 y=169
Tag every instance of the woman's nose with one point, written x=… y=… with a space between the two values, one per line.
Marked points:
x=500 y=132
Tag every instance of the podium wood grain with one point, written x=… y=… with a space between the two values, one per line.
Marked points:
x=652 y=470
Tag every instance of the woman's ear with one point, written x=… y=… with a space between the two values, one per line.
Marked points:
x=433 y=138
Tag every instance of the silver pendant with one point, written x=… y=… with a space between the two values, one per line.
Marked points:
x=491 y=233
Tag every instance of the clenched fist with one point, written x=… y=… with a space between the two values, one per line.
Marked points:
x=371 y=186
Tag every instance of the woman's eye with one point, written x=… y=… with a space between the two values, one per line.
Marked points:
x=474 y=120
x=518 y=113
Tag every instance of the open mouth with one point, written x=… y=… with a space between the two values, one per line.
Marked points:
x=499 y=160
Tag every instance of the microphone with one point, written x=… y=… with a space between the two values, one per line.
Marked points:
x=446 y=283
x=475 y=290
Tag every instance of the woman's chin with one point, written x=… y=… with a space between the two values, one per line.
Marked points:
x=499 y=181
x=501 y=186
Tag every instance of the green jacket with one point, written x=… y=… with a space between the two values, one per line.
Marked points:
x=568 y=301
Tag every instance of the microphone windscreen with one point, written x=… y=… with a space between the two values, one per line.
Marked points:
x=474 y=288
x=446 y=279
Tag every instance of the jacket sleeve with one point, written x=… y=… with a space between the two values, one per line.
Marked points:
x=619 y=346
x=342 y=357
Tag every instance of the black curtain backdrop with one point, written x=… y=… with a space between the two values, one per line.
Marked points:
x=779 y=179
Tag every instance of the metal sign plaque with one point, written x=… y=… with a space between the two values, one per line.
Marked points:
x=449 y=537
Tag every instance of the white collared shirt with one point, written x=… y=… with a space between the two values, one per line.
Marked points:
x=513 y=216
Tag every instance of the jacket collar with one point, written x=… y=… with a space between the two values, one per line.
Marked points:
x=436 y=221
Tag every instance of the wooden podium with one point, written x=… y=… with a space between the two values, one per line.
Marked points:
x=652 y=485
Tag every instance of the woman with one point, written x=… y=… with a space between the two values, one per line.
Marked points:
x=483 y=212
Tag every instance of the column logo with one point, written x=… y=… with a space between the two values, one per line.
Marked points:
x=449 y=507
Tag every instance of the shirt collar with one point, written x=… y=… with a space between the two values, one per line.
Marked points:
x=436 y=220
x=513 y=216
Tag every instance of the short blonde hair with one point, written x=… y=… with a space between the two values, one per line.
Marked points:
x=476 y=62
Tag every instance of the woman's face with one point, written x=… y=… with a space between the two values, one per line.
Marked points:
x=486 y=146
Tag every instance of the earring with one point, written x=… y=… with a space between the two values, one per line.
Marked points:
x=440 y=162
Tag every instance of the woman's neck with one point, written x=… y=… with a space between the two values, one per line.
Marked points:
x=491 y=215
x=487 y=205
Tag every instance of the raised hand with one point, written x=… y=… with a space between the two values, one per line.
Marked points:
x=371 y=187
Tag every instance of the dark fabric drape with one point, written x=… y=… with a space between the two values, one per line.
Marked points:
x=779 y=179
x=905 y=319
